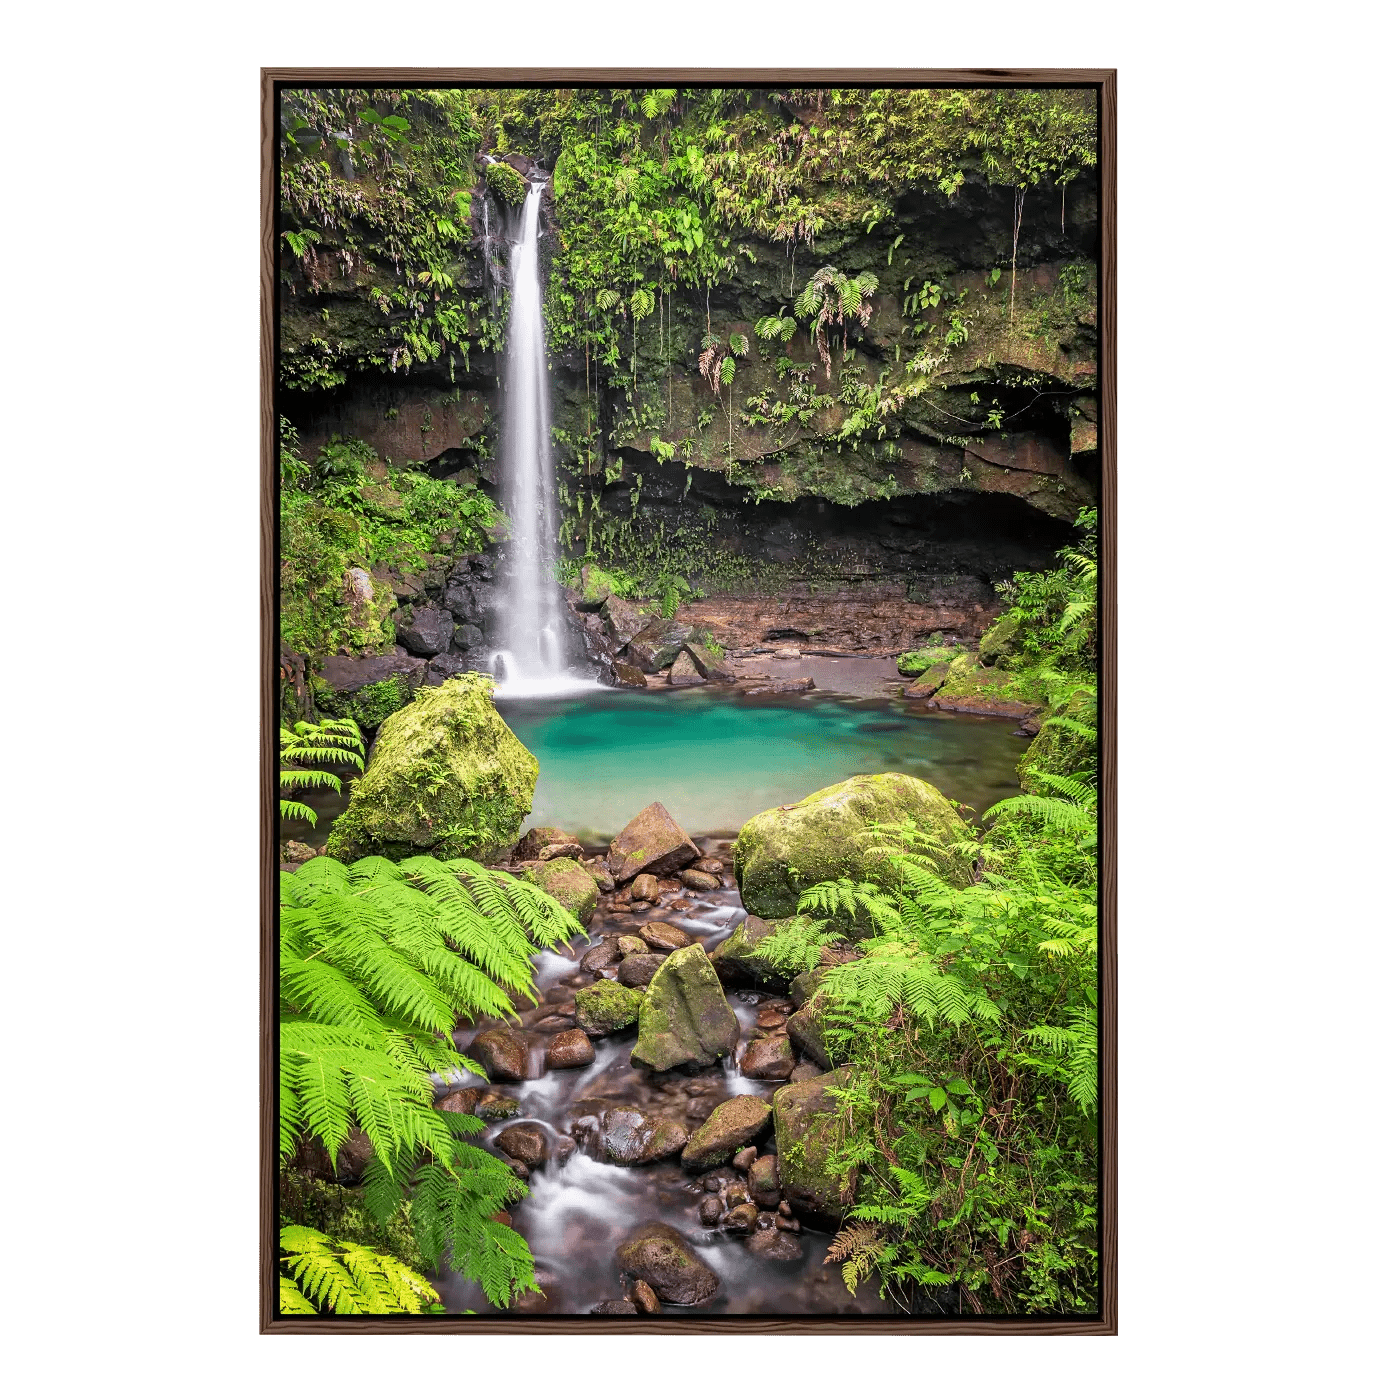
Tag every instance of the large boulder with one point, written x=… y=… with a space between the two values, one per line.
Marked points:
x=711 y=663
x=684 y=1018
x=786 y=850
x=740 y=958
x=368 y=689
x=568 y=882
x=683 y=670
x=446 y=776
x=652 y=844
x=732 y=1125
x=660 y=1256
x=658 y=644
x=621 y=622
x=425 y=630
x=807 y=1122
x=623 y=1134
x=605 y=1007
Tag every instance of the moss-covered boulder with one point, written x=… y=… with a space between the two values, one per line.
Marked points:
x=659 y=1255
x=998 y=643
x=568 y=882
x=1064 y=747
x=684 y=1018
x=786 y=850
x=446 y=776
x=806 y=1029
x=808 y=1122
x=740 y=961
x=652 y=843
x=733 y=1124
x=916 y=662
x=605 y=1007
x=970 y=688
x=368 y=689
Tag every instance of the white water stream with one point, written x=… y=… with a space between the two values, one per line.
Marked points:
x=530 y=655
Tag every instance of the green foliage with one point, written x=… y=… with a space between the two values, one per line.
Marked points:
x=378 y=963
x=971 y=1024
x=1056 y=612
x=336 y=741
x=831 y=298
x=340 y=1276
x=506 y=183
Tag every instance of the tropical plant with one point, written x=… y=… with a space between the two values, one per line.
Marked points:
x=830 y=298
x=341 y=1276
x=378 y=963
x=329 y=741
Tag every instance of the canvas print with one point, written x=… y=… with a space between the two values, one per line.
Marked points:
x=689 y=714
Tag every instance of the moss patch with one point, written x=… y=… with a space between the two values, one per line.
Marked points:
x=605 y=1007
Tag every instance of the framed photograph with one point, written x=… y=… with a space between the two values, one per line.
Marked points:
x=688 y=699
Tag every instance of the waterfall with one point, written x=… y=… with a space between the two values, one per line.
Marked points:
x=530 y=658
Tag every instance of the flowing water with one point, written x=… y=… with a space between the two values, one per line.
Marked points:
x=530 y=657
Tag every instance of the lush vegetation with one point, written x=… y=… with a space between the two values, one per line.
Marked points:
x=334 y=741
x=378 y=963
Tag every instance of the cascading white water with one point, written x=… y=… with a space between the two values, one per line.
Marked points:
x=530 y=659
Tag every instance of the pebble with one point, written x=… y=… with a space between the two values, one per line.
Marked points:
x=710 y=1210
x=710 y=866
x=742 y=1220
x=699 y=880
x=645 y=1297
x=646 y=888
x=745 y=1158
x=713 y=1183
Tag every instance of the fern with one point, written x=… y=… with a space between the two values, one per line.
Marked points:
x=379 y=962
x=340 y=1276
x=330 y=741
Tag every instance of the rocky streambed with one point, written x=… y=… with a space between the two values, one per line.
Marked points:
x=664 y=1100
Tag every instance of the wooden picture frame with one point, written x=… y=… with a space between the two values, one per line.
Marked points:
x=1105 y=1323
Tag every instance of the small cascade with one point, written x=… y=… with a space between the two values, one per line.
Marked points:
x=529 y=659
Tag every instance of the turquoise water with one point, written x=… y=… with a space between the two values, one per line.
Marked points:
x=714 y=759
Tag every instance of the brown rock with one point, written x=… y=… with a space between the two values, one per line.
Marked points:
x=601 y=877
x=665 y=938
x=735 y=1193
x=633 y=677
x=733 y=1124
x=710 y=1211
x=613 y=1308
x=601 y=955
x=625 y=1135
x=763 y=1181
x=684 y=670
x=503 y=1053
x=776 y=1246
x=627 y=945
x=742 y=1220
x=460 y=1101
x=698 y=880
x=651 y=843
x=744 y=1158
x=661 y=1257
x=772 y=1016
x=646 y=888
x=525 y=1143
x=645 y=1297
x=768 y=1058
x=709 y=865
x=531 y=846
x=569 y=1050
x=565 y=850
x=638 y=969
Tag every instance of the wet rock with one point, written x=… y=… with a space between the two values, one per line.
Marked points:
x=494 y=1107
x=740 y=958
x=621 y=622
x=684 y=1017
x=601 y=877
x=645 y=1297
x=449 y=663
x=639 y=906
x=625 y=1135
x=605 y=1007
x=638 y=969
x=806 y=1031
x=468 y=637
x=709 y=865
x=601 y=955
x=298 y=852
x=731 y=1126
x=713 y=1183
x=742 y=1220
x=777 y=1246
x=784 y=1208
x=734 y=1194
x=787 y=654
x=525 y=1143
x=712 y=665
x=562 y=850
x=568 y=882
x=627 y=945
x=503 y=1053
x=803 y=988
x=613 y=1308
x=763 y=1182
x=772 y=1016
x=744 y=1158
x=784 y=851
x=710 y=1211
x=651 y=843
x=564 y=1149
x=425 y=630
x=460 y=1101
x=529 y=846
x=666 y=938
x=684 y=671
x=569 y=1050
x=646 y=888
x=559 y=994
x=660 y=1256
x=631 y=677
x=548 y=1025
x=808 y=1125
x=698 y=880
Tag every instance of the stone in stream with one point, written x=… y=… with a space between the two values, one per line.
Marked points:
x=807 y=1121
x=645 y=1297
x=742 y=1220
x=623 y=1134
x=658 y=644
x=562 y=850
x=684 y=670
x=698 y=880
x=638 y=969
x=599 y=871
x=807 y=1032
x=605 y=1007
x=744 y=1158
x=537 y=838
x=569 y=1050
x=784 y=851
x=740 y=959
x=775 y=1245
x=503 y=1053
x=684 y=1017
x=709 y=865
x=459 y=1101
x=628 y=945
x=525 y=1142
x=568 y=882
x=494 y=1107
x=660 y=1256
x=772 y=1016
x=651 y=843
x=731 y=1126
x=763 y=1182
x=710 y=1211
x=614 y=1307
x=646 y=888
x=484 y=784
x=665 y=938
x=600 y=956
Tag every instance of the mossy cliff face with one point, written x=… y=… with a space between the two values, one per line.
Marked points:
x=786 y=850
x=446 y=775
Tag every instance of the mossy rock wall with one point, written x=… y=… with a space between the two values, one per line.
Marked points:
x=446 y=775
